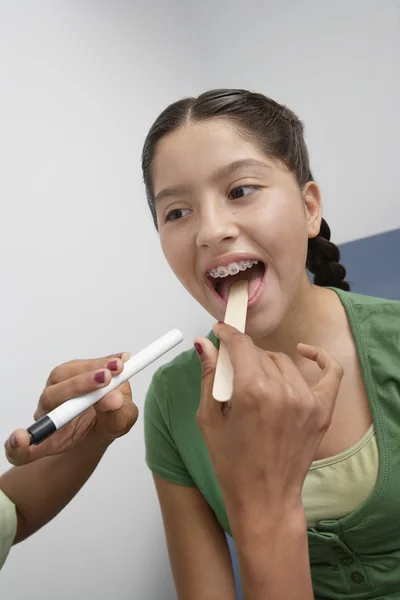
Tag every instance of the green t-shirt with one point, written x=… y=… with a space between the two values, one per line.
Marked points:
x=357 y=556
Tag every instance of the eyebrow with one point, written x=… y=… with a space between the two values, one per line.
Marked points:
x=181 y=190
x=236 y=165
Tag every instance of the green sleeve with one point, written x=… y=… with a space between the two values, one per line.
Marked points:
x=162 y=455
x=8 y=526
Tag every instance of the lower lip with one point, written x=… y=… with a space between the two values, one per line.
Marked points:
x=253 y=301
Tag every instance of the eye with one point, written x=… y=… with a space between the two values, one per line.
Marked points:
x=242 y=191
x=176 y=214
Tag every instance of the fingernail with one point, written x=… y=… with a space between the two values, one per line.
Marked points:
x=220 y=322
x=13 y=442
x=113 y=365
x=100 y=377
x=119 y=355
x=199 y=348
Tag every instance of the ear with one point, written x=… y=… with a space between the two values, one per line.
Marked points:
x=313 y=206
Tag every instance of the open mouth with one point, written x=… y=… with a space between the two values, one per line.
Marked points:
x=221 y=279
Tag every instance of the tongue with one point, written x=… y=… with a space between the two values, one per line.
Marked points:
x=254 y=275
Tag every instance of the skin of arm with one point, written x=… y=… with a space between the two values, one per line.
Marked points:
x=267 y=549
x=197 y=546
x=270 y=544
x=41 y=489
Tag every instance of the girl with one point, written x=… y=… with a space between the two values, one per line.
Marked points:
x=303 y=466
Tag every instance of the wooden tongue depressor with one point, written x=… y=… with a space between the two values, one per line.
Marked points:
x=235 y=315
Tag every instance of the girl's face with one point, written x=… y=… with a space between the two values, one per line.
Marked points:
x=222 y=204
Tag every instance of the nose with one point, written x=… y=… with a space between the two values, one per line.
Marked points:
x=216 y=226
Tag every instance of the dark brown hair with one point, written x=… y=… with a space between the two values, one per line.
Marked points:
x=277 y=131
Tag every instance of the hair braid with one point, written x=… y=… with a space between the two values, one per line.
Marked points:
x=323 y=260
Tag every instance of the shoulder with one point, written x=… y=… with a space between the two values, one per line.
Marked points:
x=176 y=373
x=375 y=324
x=172 y=437
x=370 y=307
x=176 y=384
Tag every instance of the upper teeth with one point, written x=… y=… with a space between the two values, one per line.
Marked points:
x=232 y=268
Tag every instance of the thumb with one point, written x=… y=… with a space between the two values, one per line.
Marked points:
x=17 y=448
x=208 y=355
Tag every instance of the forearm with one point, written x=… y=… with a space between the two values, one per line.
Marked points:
x=40 y=490
x=273 y=555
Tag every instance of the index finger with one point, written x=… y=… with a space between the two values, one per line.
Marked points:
x=78 y=385
x=327 y=386
x=77 y=367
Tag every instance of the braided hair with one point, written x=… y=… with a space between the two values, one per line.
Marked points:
x=277 y=131
x=323 y=260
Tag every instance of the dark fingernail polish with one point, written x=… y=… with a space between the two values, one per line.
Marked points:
x=199 y=348
x=100 y=377
x=13 y=442
x=220 y=322
x=113 y=365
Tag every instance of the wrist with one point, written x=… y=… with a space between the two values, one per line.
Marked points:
x=93 y=443
x=272 y=550
x=253 y=525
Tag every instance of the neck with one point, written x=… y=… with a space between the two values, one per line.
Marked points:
x=311 y=319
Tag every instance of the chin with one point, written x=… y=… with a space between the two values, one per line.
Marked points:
x=260 y=328
x=263 y=322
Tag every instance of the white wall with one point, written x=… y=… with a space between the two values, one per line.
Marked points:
x=337 y=64
x=81 y=270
